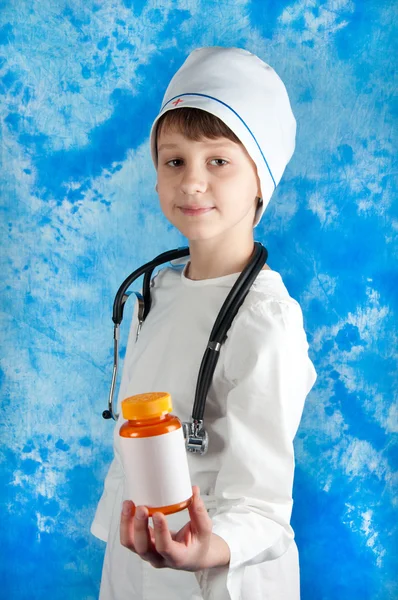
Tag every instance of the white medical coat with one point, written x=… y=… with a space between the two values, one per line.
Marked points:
x=253 y=410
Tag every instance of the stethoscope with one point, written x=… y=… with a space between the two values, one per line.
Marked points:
x=196 y=437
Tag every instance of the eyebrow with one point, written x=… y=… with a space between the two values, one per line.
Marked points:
x=215 y=144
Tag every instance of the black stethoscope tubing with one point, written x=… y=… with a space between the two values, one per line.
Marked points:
x=222 y=324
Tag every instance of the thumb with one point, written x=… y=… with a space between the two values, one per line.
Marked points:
x=201 y=523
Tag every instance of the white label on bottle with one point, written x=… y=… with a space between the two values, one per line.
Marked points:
x=156 y=469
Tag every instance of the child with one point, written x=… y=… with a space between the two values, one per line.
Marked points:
x=220 y=145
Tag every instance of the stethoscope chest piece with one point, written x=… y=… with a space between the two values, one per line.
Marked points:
x=196 y=437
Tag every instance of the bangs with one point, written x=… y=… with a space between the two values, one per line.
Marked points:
x=195 y=124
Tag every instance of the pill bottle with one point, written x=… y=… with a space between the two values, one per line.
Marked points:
x=154 y=455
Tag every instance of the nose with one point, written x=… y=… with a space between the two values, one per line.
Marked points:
x=193 y=180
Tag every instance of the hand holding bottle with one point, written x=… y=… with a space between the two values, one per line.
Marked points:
x=192 y=548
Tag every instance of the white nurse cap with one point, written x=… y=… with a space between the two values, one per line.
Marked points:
x=248 y=96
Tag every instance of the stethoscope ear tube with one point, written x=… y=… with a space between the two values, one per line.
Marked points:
x=144 y=304
x=118 y=304
x=109 y=413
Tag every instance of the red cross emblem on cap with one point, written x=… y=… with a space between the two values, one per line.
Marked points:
x=177 y=101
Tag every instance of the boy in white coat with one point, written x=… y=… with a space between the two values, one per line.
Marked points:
x=220 y=144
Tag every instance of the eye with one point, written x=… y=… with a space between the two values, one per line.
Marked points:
x=173 y=161
x=220 y=160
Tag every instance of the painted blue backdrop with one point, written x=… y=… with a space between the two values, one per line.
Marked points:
x=80 y=84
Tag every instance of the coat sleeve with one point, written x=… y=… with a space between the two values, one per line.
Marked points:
x=270 y=374
x=114 y=478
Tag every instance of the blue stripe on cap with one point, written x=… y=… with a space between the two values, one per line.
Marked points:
x=234 y=111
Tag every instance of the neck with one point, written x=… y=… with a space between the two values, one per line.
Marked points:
x=214 y=258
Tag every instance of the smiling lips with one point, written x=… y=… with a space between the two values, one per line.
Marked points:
x=195 y=211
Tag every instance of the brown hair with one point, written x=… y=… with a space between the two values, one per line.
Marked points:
x=195 y=124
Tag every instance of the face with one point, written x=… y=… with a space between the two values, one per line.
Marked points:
x=206 y=188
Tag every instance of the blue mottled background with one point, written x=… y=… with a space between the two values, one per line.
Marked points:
x=80 y=84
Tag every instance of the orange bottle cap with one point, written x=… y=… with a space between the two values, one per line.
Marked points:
x=146 y=406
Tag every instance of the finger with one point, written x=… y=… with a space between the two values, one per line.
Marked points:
x=201 y=523
x=127 y=525
x=142 y=540
x=164 y=542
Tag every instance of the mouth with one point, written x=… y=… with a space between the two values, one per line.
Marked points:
x=195 y=211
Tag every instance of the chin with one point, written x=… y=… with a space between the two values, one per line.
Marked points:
x=196 y=231
x=194 y=235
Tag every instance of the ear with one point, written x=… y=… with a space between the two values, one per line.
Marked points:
x=259 y=203
x=259 y=194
